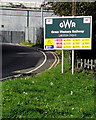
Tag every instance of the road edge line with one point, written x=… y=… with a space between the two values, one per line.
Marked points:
x=56 y=60
x=39 y=65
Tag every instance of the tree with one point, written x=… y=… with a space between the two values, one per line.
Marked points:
x=82 y=8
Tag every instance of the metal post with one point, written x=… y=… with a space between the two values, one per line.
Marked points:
x=41 y=16
x=62 y=61
x=72 y=62
x=11 y=36
x=28 y=18
x=41 y=41
x=73 y=14
x=27 y=29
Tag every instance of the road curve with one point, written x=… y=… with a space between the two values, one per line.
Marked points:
x=17 y=60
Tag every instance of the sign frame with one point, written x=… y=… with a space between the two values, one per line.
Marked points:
x=69 y=17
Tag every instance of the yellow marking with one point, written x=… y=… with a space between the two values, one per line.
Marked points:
x=66 y=46
x=85 y=46
x=49 y=41
x=84 y=43
x=66 y=39
x=75 y=39
x=86 y=39
x=67 y=43
x=76 y=43
x=76 y=47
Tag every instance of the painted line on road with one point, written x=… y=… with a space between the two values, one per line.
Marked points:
x=15 y=76
x=9 y=77
x=39 y=65
x=56 y=62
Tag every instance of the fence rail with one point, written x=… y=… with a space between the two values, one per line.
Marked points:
x=86 y=63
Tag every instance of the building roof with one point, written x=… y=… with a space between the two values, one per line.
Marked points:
x=22 y=4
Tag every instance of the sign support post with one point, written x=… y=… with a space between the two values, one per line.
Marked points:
x=72 y=62
x=62 y=61
x=73 y=14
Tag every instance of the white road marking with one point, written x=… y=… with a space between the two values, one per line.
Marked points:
x=9 y=77
x=55 y=63
x=39 y=65
x=45 y=59
x=58 y=60
x=18 y=71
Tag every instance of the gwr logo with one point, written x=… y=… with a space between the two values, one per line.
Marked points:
x=49 y=21
x=86 y=20
x=67 y=23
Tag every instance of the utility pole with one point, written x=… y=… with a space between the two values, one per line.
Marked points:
x=73 y=14
x=73 y=7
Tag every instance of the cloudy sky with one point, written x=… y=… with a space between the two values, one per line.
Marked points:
x=22 y=0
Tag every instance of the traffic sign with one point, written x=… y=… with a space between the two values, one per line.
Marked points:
x=67 y=33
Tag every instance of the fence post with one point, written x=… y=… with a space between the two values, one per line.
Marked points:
x=94 y=63
x=11 y=36
x=88 y=63
x=77 y=63
x=26 y=34
x=84 y=63
x=35 y=42
x=81 y=62
x=91 y=64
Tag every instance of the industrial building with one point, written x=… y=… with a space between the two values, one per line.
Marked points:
x=21 y=21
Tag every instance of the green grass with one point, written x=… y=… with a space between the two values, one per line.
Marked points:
x=29 y=44
x=49 y=95
x=26 y=43
x=0 y=100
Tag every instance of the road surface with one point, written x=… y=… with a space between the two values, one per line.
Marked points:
x=20 y=60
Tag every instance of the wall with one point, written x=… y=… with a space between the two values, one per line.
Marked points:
x=16 y=21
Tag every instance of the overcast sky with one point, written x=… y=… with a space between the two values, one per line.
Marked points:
x=22 y=0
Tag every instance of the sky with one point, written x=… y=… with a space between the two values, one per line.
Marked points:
x=22 y=0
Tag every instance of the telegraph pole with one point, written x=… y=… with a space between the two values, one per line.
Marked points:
x=73 y=14
x=73 y=7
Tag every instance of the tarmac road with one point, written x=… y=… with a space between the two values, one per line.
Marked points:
x=18 y=60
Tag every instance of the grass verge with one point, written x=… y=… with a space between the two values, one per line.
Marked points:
x=29 y=44
x=26 y=43
x=49 y=95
